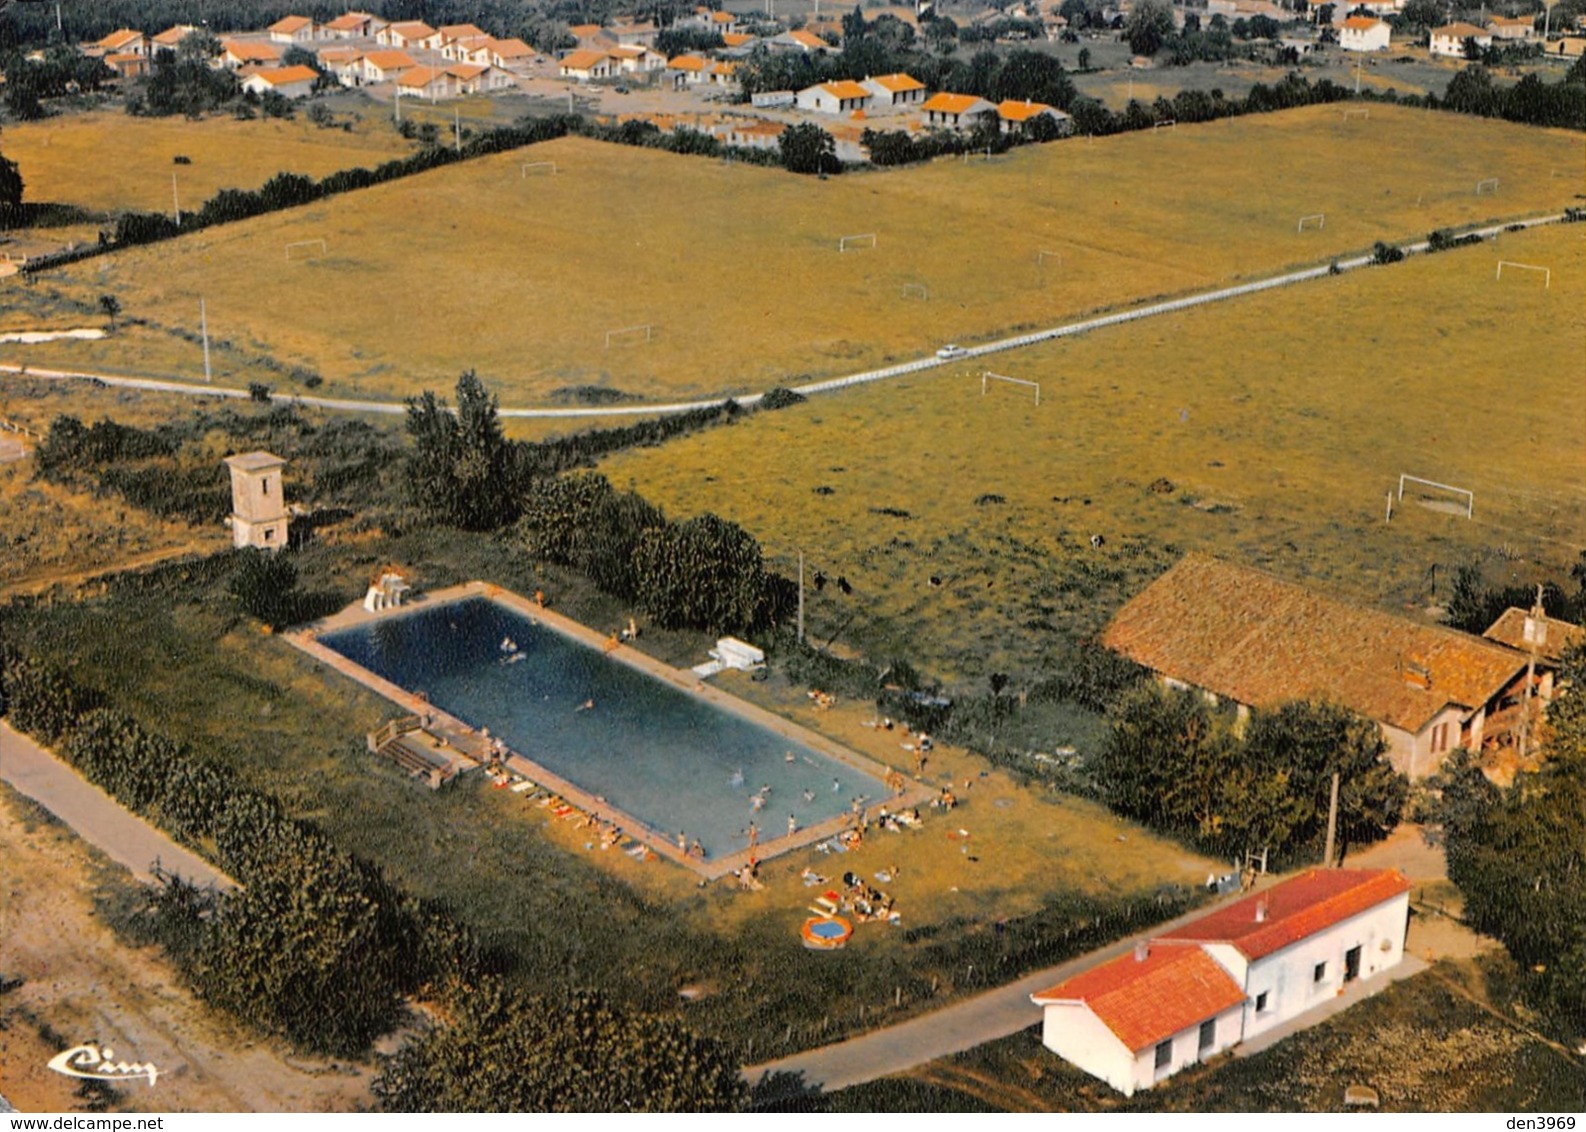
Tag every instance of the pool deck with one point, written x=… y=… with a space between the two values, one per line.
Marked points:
x=475 y=746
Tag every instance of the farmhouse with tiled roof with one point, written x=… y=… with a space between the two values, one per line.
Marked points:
x=1225 y=977
x=896 y=90
x=842 y=96
x=1252 y=638
x=945 y=111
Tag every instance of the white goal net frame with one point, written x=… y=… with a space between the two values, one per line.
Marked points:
x=988 y=377
x=857 y=243
x=1545 y=272
x=1468 y=495
x=295 y=244
x=641 y=334
x=538 y=168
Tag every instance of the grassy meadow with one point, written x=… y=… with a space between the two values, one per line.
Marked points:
x=1267 y=429
x=110 y=162
x=737 y=270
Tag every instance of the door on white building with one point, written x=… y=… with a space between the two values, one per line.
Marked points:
x=1352 y=964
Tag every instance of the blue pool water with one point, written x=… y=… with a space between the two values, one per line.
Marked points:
x=671 y=760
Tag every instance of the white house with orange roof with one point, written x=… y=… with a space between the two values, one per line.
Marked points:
x=346 y=63
x=467 y=49
x=804 y=42
x=450 y=32
x=1364 y=33
x=386 y=66
x=637 y=60
x=1449 y=41
x=125 y=41
x=1016 y=115
x=947 y=111
x=235 y=53
x=587 y=66
x=687 y=70
x=511 y=54
x=171 y=37
x=1225 y=977
x=288 y=82
x=292 y=29
x=409 y=35
x=1512 y=29
x=840 y=96
x=431 y=83
x=352 y=25
x=479 y=78
x=895 y=90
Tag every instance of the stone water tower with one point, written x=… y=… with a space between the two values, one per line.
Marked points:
x=258 y=500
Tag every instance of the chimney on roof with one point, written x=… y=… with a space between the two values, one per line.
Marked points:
x=1416 y=673
x=1141 y=950
x=1261 y=911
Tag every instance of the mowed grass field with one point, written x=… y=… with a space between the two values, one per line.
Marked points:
x=1267 y=429
x=109 y=162
x=737 y=270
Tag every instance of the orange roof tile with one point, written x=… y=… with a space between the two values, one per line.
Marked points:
x=736 y=38
x=1296 y=909
x=251 y=52
x=583 y=60
x=172 y=36
x=845 y=89
x=1557 y=635
x=808 y=39
x=511 y=48
x=1144 y=1001
x=1460 y=31
x=898 y=83
x=120 y=38
x=723 y=18
x=584 y=31
x=284 y=76
x=461 y=31
x=352 y=21
x=686 y=63
x=331 y=55
x=289 y=24
x=390 y=60
x=1015 y=111
x=412 y=29
x=466 y=71
x=1245 y=634
x=945 y=103
x=1361 y=23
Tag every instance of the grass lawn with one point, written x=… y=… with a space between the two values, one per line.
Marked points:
x=107 y=161
x=1421 y=1044
x=737 y=271
x=1267 y=429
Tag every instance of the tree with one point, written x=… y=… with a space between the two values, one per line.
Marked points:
x=111 y=306
x=460 y=467
x=1149 y=24
x=505 y=1051
x=1084 y=59
x=11 y=187
x=806 y=148
x=265 y=585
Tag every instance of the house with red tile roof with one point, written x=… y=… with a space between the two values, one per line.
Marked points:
x=431 y=83
x=895 y=90
x=172 y=36
x=1523 y=632
x=126 y=41
x=1364 y=33
x=288 y=82
x=511 y=54
x=386 y=66
x=841 y=96
x=1225 y=977
x=945 y=111
x=346 y=63
x=236 y=53
x=637 y=59
x=292 y=29
x=409 y=35
x=1017 y=115
x=353 y=25
x=1243 y=635
x=801 y=41
x=1450 y=40
x=1522 y=28
x=586 y=66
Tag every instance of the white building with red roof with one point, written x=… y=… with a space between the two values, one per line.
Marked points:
x=1222 y=978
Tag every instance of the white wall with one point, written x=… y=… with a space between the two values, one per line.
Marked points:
x=1287 y=976
x=1078 y=1036
x=1186 y=1050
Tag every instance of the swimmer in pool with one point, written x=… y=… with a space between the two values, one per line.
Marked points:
x=737 y=777
x=587 y=705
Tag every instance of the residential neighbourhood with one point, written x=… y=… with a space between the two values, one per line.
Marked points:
x=770 y=559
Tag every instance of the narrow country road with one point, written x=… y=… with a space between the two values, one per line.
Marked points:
x=95 y=816
x=1129 y=314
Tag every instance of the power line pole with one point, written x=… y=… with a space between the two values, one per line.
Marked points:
x=801 y=597
x=1332 y=824
x=1535 y=635
x=176 y=204
x=203 y=325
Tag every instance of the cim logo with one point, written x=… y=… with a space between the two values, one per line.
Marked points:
x=96 y=1064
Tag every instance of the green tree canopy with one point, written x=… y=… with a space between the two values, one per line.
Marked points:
x=460 y=468
x=505 y=1051
x=806 y=148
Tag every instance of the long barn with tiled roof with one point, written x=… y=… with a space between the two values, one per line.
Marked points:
x=1259 y=641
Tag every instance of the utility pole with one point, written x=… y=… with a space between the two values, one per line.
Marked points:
x=176 y=204
x=1359 y=59
x=397 y=102
x=1535 y=636
x=801 y=597
x=457 y=128
x=203 y=326
x=1332 y=824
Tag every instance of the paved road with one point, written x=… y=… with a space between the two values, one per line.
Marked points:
x=97 y=817
x=952 y=1029
x=1130 y=314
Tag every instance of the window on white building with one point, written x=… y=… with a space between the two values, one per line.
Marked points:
x=1319 y=973
x=1261 y=1003
x=1164 y=1055
x=1208 y=1035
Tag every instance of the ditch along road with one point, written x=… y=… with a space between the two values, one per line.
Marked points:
x=969 y=353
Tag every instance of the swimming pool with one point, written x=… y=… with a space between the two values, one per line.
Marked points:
x=669 y=759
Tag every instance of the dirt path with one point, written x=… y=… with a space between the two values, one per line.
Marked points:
x=43 y=580
x=79 y=983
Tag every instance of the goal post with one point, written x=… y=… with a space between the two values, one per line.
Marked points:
x=1467 y=495
x=1043 y=257
x=916 y=291
x=630 y=335
x=856 y=243
x=988 y=377
x=308 y=247
x=1317 y=220
x=536 y=169
x=1361 y=113
x=1487 y=186
x=1545 y=272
